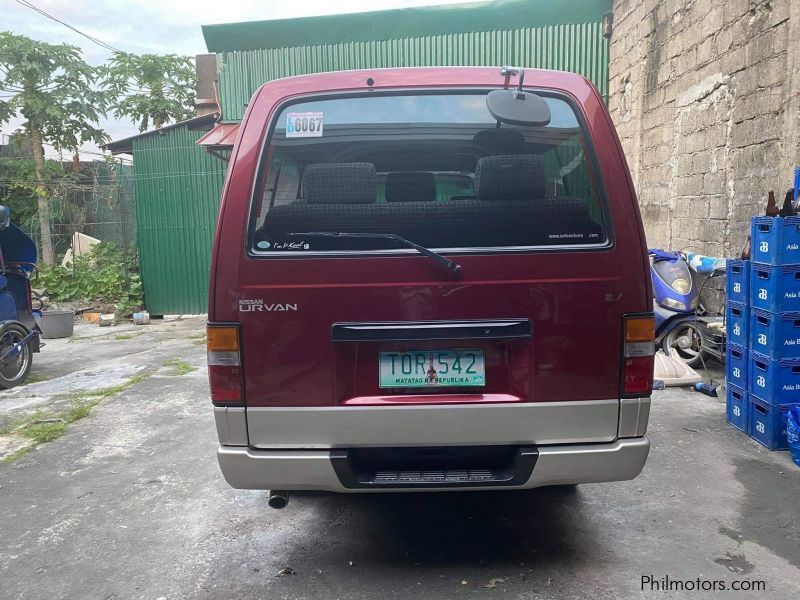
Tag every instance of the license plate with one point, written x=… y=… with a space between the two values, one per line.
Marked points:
x=432 y=368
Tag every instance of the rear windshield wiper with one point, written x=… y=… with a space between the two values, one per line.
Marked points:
x=448 y=264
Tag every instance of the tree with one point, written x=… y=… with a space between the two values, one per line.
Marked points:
x=151 y=88
x=55 y=91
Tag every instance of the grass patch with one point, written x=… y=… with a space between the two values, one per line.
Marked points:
x=41 y=433
x=115 y=389
x=18 y=454
x=123 y=336
x=179 y=367
x=79 y=410
x=57 y=423
x=36 y=379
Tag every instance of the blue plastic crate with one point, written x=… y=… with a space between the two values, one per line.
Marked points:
x=767 y=423
x=738 y=407
x=776 y=289
x=737 y=323
x=776 y=381
x=737 y=363
x=737 y=282
x=775 y=240
x=775 y=334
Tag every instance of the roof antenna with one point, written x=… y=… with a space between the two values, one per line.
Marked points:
x=519 y=93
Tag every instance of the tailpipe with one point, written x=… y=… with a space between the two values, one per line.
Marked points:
x=278 y=498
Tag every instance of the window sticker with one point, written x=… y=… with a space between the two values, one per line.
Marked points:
x=303 y=124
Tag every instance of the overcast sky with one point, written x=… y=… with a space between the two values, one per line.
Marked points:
x=160 y=26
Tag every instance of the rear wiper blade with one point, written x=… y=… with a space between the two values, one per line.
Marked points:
x=445 y=262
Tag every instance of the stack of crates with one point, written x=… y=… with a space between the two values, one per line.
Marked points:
x=774 y=328
x=737 y=360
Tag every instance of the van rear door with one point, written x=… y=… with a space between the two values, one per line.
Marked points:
x=365 y=341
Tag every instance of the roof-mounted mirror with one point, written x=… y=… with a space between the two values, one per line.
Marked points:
x=518 y=107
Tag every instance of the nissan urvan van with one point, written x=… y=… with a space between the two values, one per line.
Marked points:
x=429 y=279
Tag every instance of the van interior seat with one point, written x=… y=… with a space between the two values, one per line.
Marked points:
x=340 y=183
x=511 y=209
x=410 y=186
x=510 y=177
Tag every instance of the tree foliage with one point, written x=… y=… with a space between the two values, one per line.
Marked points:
x=151 y=88
x=56 y=93
x=19 y=185
x=53 y=88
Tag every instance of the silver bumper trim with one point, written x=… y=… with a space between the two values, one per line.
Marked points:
x=246 y=468
x=521 y=423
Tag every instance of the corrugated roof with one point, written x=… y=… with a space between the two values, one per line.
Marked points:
x=401 y=23
x=125 y=145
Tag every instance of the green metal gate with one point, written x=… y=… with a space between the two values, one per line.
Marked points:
x=178 y=189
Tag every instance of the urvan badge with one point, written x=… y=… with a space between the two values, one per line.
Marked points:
x=258 y=305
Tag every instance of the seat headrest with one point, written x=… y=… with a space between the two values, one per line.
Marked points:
x=340 y=183
x=510 y=177
x=412 y=186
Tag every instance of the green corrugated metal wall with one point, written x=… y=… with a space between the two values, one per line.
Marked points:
x=578 y=47
x=178 y=188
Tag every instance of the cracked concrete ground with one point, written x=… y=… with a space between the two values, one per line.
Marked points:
x=129 y=503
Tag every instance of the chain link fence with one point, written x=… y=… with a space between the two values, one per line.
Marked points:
x=100 y=204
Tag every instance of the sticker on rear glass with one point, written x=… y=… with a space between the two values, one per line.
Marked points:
x=304 y=124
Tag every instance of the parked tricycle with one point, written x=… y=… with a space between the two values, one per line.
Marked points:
x=19 y=333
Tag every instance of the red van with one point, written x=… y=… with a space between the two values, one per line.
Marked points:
x=429 y=279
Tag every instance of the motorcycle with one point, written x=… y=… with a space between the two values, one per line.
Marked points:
x=682 y=327
x=19 y=333
x=675 y=299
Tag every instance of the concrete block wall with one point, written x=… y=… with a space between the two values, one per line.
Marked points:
x=705 y=95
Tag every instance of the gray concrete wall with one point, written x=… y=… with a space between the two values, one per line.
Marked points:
x=705 y=95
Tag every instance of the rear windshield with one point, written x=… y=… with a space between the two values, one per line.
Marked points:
x=435 y=169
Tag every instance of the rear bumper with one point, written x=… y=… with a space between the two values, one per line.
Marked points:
x=246 y=468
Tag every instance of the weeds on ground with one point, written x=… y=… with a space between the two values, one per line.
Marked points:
x=105 y=392
x=36 y=379
x=18 y=454
x=123 y=336
x=43 y=427
x=198 y=339
x=179 y=367
x=41 y=433
x=80 y=410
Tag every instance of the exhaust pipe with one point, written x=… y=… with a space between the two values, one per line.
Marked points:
x=278 y=498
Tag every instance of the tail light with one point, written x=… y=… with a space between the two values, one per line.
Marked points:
x=225 y=364
x=637 y=358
